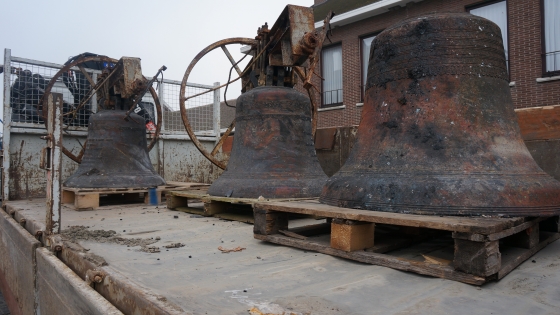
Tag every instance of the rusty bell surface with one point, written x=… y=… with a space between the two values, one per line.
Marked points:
x=116 y=154
x=273 y=154
x=438 y=133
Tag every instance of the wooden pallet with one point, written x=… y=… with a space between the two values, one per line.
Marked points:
x=89 y=198
x=467 y=249
x=228 y=208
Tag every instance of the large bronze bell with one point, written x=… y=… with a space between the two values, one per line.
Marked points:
x=273 y=154
x=438 y=133
x=116 y=155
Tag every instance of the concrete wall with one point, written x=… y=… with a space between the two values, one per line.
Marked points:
x=181 y=161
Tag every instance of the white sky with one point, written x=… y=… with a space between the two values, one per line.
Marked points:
x=167 y=33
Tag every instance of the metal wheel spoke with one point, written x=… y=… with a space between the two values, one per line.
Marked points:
x=83 y=71
x=233 y=63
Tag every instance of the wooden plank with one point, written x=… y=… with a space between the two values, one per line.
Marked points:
x=454 y=224
x=385 y=260
x=292 y=234
x=352 y=235
x=496 y=236
x=510 y=262
x=477 y=258
x=539 y=123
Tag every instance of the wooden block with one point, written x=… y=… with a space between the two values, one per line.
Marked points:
x=551 y=225
x=176 y=201
x=477 y=258
x=87 y=201
x=528 y=238
x=350 y=235
x=214 y=207
x=269 y=222
x=68 y=196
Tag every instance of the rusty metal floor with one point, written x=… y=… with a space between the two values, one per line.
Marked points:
x=200 y=279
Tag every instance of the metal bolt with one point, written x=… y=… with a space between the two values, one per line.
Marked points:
x=58 y=248
x=97 y=279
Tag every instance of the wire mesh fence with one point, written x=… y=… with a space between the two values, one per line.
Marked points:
x=199 y=109
x=28 y=80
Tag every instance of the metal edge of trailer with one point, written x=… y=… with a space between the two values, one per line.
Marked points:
x=17 y=265
x=126 y=295
x=61 y=291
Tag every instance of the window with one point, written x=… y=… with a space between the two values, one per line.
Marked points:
x=551 y=34
x=332 y=75
x=497 y=13
x=366 y=46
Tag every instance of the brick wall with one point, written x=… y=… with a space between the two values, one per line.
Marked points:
x=524 y=19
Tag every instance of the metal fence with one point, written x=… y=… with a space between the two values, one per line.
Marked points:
x=24 y=84
x=26 y=79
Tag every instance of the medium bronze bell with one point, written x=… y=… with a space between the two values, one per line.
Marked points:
x=273 y=154
x=438 y=133
x=116 y=155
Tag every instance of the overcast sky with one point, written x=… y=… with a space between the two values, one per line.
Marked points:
x=167 y=33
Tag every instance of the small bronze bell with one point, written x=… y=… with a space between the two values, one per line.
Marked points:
x=273 y=154
x=116 y=155
x=438 y=133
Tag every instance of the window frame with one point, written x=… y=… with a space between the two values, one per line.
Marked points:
x=323 y=105
x=545 y=73
x=362 y=83
x=481 y=4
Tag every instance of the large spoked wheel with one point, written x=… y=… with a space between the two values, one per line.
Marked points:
x=71 y=114
x=210 y=155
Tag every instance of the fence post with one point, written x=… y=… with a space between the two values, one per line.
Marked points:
x=216 y=115
x=160 y=142
x=7 y=124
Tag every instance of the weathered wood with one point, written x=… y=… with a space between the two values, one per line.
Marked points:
x=292 y=234
x=539 y=123
x=88 y=201
x=385 y=260
x=352 y=235
x=192 y=210
x=477 y=258
x=174 y=202
x=234 y=216
x=510 y=262
x=527 y=238
x=214 y=207
x=496 y=236
x=314 y=229
x=269 y=222
x=454 y=224
x=158 y=197
x=68 y=197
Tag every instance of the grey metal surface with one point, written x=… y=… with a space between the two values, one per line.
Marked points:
x=201 y=279
x=17 y=263
x=61 y=291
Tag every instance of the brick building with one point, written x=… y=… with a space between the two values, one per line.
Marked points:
x=530 y=28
